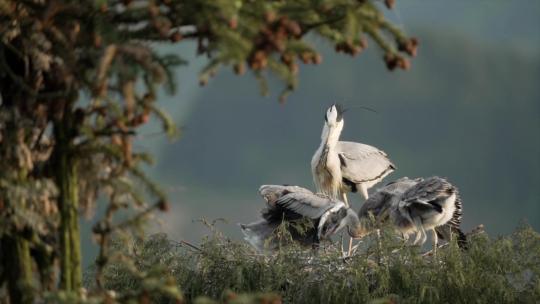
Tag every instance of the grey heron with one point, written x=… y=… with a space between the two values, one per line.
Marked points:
x=292 y=204
x=339 y=167
x=414 y=206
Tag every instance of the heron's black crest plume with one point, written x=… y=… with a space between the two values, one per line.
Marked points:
x=340 y=110
x=360 y=107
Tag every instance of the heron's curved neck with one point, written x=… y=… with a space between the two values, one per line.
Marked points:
x=359 y=227
x=330 y=136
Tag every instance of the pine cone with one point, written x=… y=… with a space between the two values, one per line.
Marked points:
x=391 y=61
x=390 y=3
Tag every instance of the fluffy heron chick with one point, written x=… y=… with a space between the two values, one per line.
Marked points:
x=293 y=204
x=414 y=207
x=339 y=167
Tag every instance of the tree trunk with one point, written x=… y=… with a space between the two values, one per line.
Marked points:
x=18 y=269
x=15 y=259
x=65 y=173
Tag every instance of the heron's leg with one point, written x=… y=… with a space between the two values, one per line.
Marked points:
x=421 y=233
x=344 y=196
x=379 y=243
x=341 y=245
x=363 y=191
x=435 y=242
x=424 y=236
x=417 y=237
x=350 y=247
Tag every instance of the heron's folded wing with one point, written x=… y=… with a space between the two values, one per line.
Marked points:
x=428 y=190
x=306 y=204
x=380 y=201
x=420 y=205
x=271 y=193
x=400 y=186
x=377 y=204
x=361 y=163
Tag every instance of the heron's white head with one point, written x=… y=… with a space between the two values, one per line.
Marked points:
x=334 y=116
x=333 y=124
x=332 y=222
x=336 y=220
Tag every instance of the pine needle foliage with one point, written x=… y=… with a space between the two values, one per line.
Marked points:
x=500 y=270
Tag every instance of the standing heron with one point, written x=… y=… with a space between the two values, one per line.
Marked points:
x=339 y=167
x=293 y=204
x=414 y=207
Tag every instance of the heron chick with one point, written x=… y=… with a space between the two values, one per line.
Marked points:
x=293 y=204
x=414 y=207
x=339 y=167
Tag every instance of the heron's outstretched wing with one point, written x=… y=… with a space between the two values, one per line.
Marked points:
x=258 y=233
x=306 y=204
x=362 y=163
x=280 y=188
x=271 y=193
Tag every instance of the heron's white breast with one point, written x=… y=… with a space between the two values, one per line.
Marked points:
x=436 y=219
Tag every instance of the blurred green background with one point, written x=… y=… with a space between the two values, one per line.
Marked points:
x=468 y=110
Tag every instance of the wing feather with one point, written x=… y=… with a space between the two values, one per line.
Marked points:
x=306 y=204
x=384 y=197
x=271 y=193
x=361 y=163
x=429 y=190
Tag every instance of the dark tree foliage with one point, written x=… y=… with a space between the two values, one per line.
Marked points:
x=78 y=78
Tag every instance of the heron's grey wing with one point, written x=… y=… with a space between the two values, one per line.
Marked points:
x=382 y=199
x=421 y=207
x=377 y=204
x=400 y=186
x=428 y=190
x=271 y=193
x=362 y=163
x=431 y=195
x=306 y=204
x=281 y=188
x=259 y=233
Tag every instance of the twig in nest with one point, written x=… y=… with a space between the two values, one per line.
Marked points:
x=182 y=242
